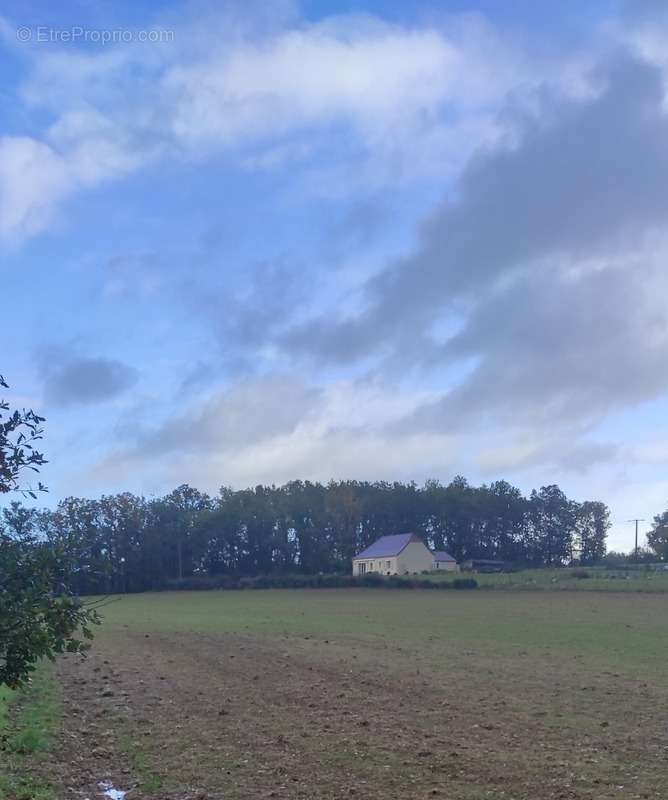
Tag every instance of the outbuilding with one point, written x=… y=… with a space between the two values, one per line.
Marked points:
x=400 y=554
x=485 y=565
x=444 y=562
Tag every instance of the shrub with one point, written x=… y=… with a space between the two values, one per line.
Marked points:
x=373 y=579
x=580 y=574
x=397 y=582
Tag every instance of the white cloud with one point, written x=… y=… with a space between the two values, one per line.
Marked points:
x=274 y=429
x=541 y=269
x=33 y=180
x=334 y=455
x=307 y=77
x=357 y=101
x=653 y=450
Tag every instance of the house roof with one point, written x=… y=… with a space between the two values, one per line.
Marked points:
x=441 y=555
x=388 y=546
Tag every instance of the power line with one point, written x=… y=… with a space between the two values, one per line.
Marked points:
x=636 y=547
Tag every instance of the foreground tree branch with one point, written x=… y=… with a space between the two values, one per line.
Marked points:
x=39 y=614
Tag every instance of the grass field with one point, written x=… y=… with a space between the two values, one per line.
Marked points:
x=369 y=693
x=598 y=580
x=6 y=696
x=29 y=723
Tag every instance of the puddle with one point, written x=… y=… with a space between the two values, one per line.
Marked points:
x=109 y=791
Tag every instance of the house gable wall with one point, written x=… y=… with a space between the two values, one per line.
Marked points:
x=415 y=557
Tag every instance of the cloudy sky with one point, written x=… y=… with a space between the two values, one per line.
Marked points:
x=251 y=242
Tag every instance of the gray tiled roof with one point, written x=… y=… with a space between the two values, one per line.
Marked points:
x=441 y=555
x=388 y=546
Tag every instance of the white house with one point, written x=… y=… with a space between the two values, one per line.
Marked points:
x=394 y=555
x=444 y=562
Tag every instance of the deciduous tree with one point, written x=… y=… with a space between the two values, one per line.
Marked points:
x=657 y=538
x=39 y=615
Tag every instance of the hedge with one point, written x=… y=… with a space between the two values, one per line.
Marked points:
x=372 y=581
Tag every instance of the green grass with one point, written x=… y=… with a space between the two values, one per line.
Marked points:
x=136 y=753
x=612 y=630
x=28 y=737
x=565 y=579
x=38 y=716
x=6 y=697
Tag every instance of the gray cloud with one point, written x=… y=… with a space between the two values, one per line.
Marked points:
x=533 y=298
x=358 y=226
x=587 y=179
x=545 y=261
x=560 y=350
x=640 y=11
x=133 y=274
x=555 y=451
x=248 y=314
x=86 y=381
x=251 y=411
x=272 y=429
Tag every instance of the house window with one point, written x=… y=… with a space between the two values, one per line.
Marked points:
x=361 y=569
x=388 y=564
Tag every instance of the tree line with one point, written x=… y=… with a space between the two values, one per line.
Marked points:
x=128 y=543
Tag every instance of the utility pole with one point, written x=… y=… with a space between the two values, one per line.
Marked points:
x=636 y=547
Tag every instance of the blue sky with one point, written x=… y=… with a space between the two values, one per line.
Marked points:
x=329 y=240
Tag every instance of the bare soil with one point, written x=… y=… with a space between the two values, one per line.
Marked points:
x=184 y=715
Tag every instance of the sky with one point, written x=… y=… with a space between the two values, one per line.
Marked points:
x=252 y=242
